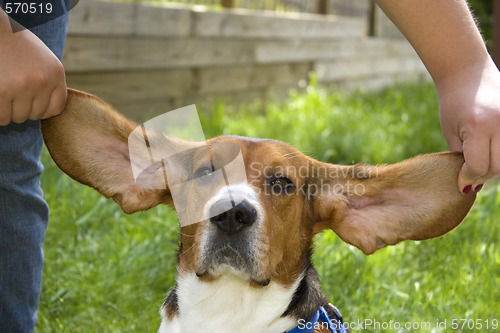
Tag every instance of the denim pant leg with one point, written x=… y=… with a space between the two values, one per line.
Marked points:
x=23 y=212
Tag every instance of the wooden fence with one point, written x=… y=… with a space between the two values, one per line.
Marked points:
x=359 y=8
x=146 y=59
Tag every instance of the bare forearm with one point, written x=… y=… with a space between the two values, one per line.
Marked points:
x=442 y=32
x=447 y=40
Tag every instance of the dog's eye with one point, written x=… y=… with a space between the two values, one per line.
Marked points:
x=282 y=185
x=203 y=175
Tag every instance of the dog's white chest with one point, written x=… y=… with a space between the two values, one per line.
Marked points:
x=230 y=305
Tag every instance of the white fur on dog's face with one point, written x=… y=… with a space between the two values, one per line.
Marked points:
x=238 y=193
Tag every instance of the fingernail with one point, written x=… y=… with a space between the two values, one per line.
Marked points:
x=467 y=189
x=478 y=188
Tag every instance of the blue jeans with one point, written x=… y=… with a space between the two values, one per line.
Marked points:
x=23 y=212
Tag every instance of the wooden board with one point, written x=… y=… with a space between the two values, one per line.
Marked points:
x=271 y=25
x=122 y=53
x=362 y=66
x=111 y=18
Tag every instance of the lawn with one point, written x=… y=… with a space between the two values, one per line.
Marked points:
x=107 y=271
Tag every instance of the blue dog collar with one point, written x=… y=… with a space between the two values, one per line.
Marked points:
x=335 y=325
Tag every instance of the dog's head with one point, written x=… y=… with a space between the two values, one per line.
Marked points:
x=266 y=230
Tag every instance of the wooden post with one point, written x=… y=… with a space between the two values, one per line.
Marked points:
x=227 y=3
x=323 y=7
x=496 y=32
x=372 y=19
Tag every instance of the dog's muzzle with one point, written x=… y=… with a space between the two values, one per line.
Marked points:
x=231 y=237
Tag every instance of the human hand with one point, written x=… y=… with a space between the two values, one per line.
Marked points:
x=469 y=102
x=32 y=84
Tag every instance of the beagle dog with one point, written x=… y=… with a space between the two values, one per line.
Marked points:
x=248 y=268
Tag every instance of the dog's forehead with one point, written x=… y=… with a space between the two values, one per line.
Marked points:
x=254 y=149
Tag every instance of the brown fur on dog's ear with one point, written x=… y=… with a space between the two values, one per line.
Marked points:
x=88 y=141
x=371 y=207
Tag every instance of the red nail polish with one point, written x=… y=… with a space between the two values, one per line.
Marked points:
x=478 y=188
x=467 y=189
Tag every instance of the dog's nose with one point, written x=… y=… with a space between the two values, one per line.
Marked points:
x=235 y=219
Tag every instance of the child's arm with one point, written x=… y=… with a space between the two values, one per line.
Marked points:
x=447 y=40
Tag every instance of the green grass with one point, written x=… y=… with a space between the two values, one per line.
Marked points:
x=108 y=272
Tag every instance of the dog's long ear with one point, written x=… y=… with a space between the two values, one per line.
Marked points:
x=88 y=141
x=371 y=207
